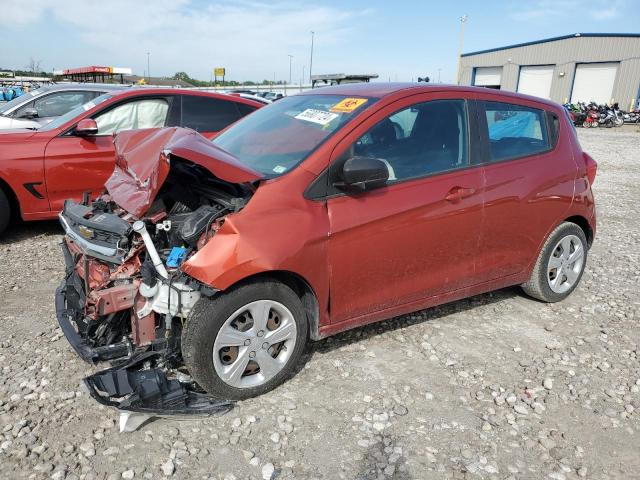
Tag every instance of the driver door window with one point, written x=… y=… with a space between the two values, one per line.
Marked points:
x=424 y=139
x=148 y=113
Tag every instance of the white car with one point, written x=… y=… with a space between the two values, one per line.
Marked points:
x=8 y=123
x=38 y=107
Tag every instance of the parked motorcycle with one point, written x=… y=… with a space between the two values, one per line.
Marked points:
x=593 y=115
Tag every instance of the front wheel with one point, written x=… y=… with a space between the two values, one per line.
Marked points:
x=247 y=341
x=560 y=264
x=5 y=211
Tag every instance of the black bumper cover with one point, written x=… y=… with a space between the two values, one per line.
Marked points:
x=149 y=391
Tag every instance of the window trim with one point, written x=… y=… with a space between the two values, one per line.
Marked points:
x=483 y=127
x=317 y=192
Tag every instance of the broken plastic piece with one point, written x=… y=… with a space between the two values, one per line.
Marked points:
x=149 y=391
x=131 y=421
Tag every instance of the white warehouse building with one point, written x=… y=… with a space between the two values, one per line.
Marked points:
x=583 y=67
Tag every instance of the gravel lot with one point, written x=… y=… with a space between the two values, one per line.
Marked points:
x=496 y=386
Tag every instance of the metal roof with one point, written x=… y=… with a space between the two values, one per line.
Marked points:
x=100 y=87
x=384 y=89
x=553 y=39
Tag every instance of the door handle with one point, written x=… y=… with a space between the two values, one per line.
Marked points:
x=458 y=193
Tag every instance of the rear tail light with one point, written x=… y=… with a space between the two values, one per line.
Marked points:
x=592 y=167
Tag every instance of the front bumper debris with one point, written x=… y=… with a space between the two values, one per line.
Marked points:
x=130 y=388
x=83 y=349
x=136 y=383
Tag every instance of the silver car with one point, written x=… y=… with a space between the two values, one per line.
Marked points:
x=40 y=106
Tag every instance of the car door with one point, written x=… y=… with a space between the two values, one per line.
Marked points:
x=417 y=236
x=529 y=179
x=75 y=164
x=209 y=115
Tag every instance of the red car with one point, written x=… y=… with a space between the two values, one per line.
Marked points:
x=74 y=153
x=322 y=212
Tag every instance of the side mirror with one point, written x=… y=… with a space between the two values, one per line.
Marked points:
x=86 y=127
x=364 y=173
x=29 y=113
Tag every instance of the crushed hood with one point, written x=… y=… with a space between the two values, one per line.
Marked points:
x=143 y=160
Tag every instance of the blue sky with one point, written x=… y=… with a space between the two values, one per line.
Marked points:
x=399 y=40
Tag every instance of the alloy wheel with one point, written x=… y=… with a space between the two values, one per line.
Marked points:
x=254 y=344
x=565 y=264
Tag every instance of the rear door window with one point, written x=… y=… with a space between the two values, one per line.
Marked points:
x=514 y=131
x=205 y=114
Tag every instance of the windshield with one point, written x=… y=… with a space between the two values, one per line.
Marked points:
x=70 y=115
x=20 y=100
x=276 y=138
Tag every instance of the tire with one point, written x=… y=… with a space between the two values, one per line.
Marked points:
x=585 y=124
x=5 y=211
x=547 y=283
x=229 y=313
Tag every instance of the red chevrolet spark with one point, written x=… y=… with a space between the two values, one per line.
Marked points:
x=210 y=264
x=73 y=154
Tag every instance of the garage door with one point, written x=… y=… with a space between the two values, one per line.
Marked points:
x=536 y=80
x=488 y=77
x=594 y=82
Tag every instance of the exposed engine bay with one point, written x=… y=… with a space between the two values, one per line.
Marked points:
x=125 y=298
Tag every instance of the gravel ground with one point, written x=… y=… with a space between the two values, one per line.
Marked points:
x=496 y=386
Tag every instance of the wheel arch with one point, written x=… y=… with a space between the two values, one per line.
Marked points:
x=583 y=223
x=301 y=287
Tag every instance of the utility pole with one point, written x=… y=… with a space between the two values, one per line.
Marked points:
x=148 y=71
x=290 y=59
x=463 y=20
x=311 y=59
x=439 y=70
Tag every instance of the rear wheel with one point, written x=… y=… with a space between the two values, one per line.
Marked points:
x=5 y=211
x=247 y=341
x=560 y=265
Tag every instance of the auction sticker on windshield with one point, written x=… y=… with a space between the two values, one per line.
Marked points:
x=348 y=105
x=316 y=116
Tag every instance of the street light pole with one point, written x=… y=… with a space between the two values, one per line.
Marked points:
x=148 y=72
x=463 y=20
x=311 y=59
x=290 y=59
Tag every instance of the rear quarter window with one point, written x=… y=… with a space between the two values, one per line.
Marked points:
x=515 y=131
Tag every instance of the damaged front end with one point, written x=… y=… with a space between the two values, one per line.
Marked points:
x=124 y=298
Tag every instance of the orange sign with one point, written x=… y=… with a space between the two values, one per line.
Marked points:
x=348 y=105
